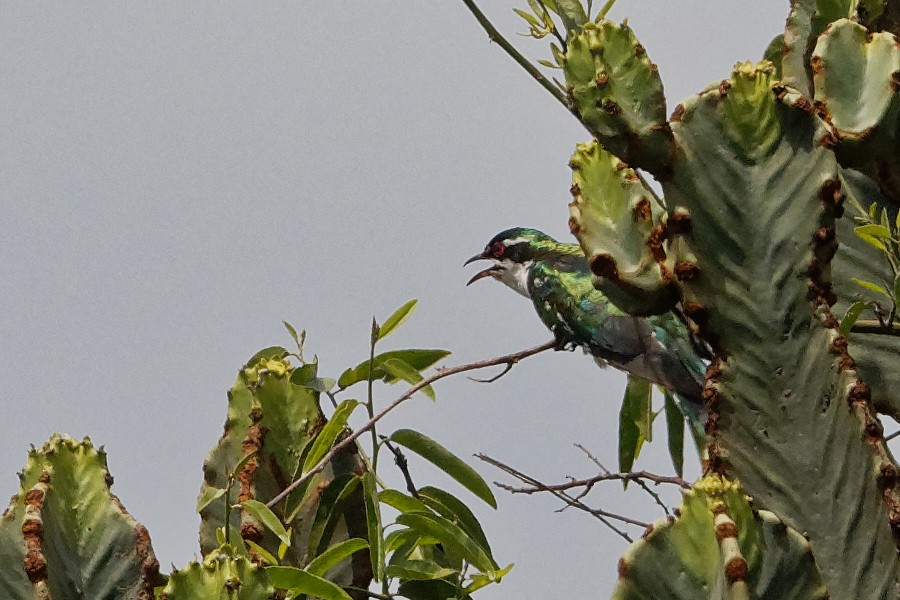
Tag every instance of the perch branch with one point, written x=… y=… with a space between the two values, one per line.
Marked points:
x=440 y=374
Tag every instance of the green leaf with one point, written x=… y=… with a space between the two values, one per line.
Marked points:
x=267 y=353
x=442 y=458
x=453 y=538
x=436 y=589
x=298 y=340
x=572 y=13
x=334 y=555
x=402 y=370
x=851 y=316
x=330 y=509
x=872 y=287
x=303 y=374
x=452 y=508
x=418 y=570
x=208 y=496
x=270 y=521
x=873 y=234
x=479 y=580
x=530 y=18
x=262 y=552
x=397 y=319
x=633 y=418
x=419 y=359
x=298 y=580
x=373 y=525
x=325 y=440
x=675 y=428
x=400 y=501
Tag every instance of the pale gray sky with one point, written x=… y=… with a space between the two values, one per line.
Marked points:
x=177 y=178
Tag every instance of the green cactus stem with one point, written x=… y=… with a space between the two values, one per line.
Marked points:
x=617 y=221
x=719 y=548
x=66 y=536
x=221 y=575
x=788 y=414
x=618 y=92
x=274 y=414
x=857 y=90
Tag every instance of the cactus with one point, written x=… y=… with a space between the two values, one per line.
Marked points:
x=222 y=574
x=273 y=418
x=762 y=175
x=719 y=547
x=65 y=536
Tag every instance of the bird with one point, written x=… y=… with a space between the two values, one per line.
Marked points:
x=556 y=278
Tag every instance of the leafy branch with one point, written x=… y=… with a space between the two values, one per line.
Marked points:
x=507 y=359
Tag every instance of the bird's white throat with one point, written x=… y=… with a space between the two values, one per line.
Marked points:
x=515 y=275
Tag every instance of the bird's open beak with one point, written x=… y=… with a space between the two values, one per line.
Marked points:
x=482 y=274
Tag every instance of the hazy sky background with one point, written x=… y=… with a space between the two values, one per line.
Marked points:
x=178 y=177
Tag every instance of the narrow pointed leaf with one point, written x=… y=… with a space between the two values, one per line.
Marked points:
x=418 y=570
x=397 y=319
x=872 y=287
x=851 y=316
x=262 y=552
x=675 y=429
x=334 y=555
x=453 y=538
x=419 y=359
x=403 y=370
x=449 y=506
x=632 y=416
x=325 y=440
x=270 y=521
x=402 y=502
x=373 y=525
x=442 y=458
x=298 y=580
x=208 y=496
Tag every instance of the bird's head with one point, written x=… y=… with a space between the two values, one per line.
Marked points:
x=513 y=253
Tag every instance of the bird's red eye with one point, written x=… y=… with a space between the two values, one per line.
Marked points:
x=497 y=249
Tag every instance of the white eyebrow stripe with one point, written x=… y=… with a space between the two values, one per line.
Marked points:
x=517 y=240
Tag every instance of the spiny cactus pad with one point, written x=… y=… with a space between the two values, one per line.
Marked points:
x=615 y=218
x=857 y=89
x=221 y=575
x=274 y=411
x=618 y=93
x=65 y=536
x=719 y=548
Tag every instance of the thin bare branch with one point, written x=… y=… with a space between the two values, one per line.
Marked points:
x=403 y=465
x=863 y=326
x=600 y=514
x=639 y=482
x=441 y=373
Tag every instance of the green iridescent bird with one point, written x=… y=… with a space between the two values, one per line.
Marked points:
x=556 y=277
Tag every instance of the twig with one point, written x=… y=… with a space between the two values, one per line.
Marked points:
x=602 y=515
x=535 y=73
x=864 y=326
x=888 y=438
x=440 y=374
x=368 y=593
x=632 y=476
x=403 y=465
x=526 y=64
x=638 y=481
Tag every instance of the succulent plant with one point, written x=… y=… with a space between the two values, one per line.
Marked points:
x=762 y=175
x=66 y=536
